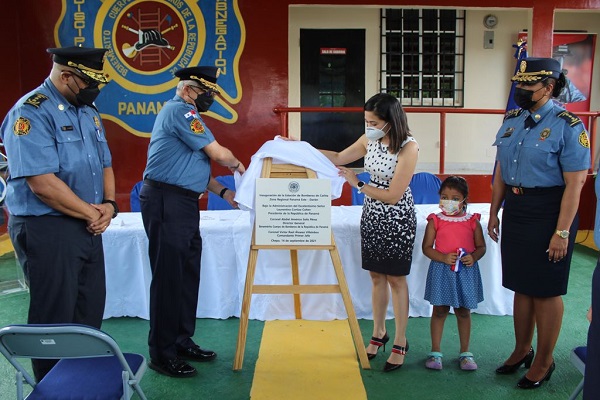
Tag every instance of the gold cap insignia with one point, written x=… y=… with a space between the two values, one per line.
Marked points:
x=212 y=86
x=95 y=74
x=523 y=66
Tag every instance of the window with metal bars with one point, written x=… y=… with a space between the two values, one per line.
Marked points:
x=422 y=56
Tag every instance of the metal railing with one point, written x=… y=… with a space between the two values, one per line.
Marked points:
x=443 y=112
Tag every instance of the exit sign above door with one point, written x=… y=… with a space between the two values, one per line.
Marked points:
x=333 y=50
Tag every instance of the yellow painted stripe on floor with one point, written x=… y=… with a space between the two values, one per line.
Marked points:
x=5 y=244
x=586 y=238
x=301 y=359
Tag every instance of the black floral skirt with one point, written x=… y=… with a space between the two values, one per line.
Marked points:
x=388 y=235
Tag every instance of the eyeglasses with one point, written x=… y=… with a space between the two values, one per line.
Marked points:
x=87 y=82
x=205 y=92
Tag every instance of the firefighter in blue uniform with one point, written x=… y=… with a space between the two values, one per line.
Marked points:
x=177 y=173
x=61 y=191
x=543 y=155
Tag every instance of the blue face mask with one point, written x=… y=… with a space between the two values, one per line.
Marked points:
x=375 y=133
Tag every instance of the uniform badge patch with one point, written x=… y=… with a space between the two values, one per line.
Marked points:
x=544 y=134
x=571 y=119
x=508 y=132
x=584 y=140
x=196 y=126
x=515 y=112
x=36 y=100
x=97 y=122
x=21 y=126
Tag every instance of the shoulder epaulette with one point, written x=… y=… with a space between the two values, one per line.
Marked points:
x=515 y=112
x=571 y=118
x=36 y=100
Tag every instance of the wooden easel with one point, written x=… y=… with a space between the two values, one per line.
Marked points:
x=271 y=170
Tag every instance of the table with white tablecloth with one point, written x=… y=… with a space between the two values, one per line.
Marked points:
x=226 y=237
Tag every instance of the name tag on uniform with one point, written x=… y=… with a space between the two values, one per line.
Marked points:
x=66 y=128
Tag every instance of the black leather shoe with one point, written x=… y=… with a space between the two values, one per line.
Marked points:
x=175 y=368
x=525 y=383
x=195 y=353
x=510 y=369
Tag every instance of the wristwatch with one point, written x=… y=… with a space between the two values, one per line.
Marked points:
x=562 y=234
x=360 y=186
x=114 y=204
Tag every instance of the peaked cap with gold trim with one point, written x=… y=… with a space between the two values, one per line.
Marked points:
x=87 y=60
x=205 y=76
x=535 y=69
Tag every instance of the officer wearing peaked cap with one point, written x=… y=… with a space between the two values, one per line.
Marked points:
x=61 y=191
x=88 y=61
x=542 y=160
x=205 y=76
x=177 y=173
x=538 y=69
x=85 y=66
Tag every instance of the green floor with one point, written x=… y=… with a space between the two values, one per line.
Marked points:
x=491 y=343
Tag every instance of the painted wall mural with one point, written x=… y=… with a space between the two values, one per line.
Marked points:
x=147 y=41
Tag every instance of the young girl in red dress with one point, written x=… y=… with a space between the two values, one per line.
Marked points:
x=454 y=242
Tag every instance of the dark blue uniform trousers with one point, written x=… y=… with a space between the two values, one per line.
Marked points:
x=64 y=266
x=591 y=385
x=171 y=221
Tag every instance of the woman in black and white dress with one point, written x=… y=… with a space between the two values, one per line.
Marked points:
x=388 y=223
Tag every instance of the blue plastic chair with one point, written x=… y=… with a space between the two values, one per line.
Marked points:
x=134 y=197
x=425 y=188
x=91 y=366
x=214 y=201
x=359 y=198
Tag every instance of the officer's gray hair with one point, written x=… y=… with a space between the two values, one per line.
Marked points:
x=184 y=83
x=188 y=82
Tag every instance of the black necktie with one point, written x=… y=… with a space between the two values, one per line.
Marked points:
x=529 y=122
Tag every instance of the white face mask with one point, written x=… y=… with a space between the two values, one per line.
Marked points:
x=375 y=133
x=450 y=207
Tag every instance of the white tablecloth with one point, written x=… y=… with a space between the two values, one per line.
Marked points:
x=226 y=239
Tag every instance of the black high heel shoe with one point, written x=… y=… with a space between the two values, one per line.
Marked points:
x=525 y=383
x=510 y=369
x=402 y=350
x=375 y=341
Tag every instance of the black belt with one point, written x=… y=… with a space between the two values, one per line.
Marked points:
x=518 y=190
x=385 y=185
x=172 y=188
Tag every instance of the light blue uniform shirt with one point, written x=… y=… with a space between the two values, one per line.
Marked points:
x=45 y=134
x=537 y=156
x=175 y=154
